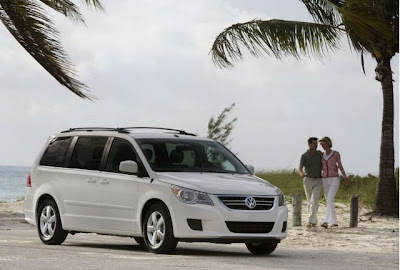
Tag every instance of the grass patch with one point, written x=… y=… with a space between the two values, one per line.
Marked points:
x=290 y=182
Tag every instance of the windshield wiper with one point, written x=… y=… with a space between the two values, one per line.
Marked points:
x=215 y=171
x=167 y=170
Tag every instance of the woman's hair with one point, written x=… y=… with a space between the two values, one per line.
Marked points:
x=327 y=140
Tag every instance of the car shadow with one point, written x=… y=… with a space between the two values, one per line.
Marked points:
x=121 y=247
x=185 y=251
x=182 y=251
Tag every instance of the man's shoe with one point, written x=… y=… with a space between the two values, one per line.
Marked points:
x=310 y=225
x=334 y=226
x=325 y=225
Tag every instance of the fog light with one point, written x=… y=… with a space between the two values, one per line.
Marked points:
x=195 y=224
x=284 y=226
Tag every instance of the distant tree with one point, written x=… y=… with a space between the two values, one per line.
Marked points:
x=219 y=130
x=371 y=26
x=31 y=26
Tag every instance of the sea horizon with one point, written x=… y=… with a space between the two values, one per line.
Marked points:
x=13 y=182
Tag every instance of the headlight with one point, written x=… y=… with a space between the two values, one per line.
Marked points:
x=281 y=199
x=191 y=196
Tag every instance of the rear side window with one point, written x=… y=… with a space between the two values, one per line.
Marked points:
x=87 y=153
x=56 y=152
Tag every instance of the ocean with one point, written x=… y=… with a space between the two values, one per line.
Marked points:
x=13 y=182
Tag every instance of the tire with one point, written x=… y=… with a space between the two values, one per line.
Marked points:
x=49 y=224
x=139 y=240
x=157 y=230
x=262 y=248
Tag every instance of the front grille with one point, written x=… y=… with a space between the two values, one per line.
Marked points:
x=238 y=202
x=250 y=227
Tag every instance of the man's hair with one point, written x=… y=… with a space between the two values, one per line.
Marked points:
x=312 y=139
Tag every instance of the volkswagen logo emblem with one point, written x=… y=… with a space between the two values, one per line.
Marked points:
x=250 y=202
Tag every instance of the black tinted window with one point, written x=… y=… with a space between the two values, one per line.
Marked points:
x=87 y=153
x=122 y=150
x=56 y=152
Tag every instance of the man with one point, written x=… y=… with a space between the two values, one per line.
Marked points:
x=311 y=161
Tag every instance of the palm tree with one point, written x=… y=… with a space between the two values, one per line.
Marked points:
x=29 y=23
x=371 y=26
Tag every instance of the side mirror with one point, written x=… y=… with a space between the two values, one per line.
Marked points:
x=250 y=168
x=128 y=166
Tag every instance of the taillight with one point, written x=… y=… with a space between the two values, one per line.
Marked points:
x=28 y=180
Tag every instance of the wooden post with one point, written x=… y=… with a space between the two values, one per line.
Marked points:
x=354 y=211
x=297 y=209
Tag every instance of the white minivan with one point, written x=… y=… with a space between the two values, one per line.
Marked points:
x=157 y=187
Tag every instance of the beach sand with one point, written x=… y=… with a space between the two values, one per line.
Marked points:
x=374 y=233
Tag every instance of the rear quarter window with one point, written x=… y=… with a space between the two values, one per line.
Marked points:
x=56 y=152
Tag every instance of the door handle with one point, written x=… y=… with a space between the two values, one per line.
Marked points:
x=91 y=181
x=104 y=182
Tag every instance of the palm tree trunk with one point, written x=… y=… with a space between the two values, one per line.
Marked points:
x=386 y=196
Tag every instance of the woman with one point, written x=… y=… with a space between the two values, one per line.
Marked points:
x=330 y=180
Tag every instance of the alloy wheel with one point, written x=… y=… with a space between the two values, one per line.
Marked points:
x=48 y=222
x=155 y=230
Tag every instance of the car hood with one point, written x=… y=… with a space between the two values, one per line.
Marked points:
x=219 y=183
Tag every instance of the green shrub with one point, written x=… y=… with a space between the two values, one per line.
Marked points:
x=290 y=182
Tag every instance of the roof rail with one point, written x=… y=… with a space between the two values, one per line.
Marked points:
x=90 y=129
x=125 y=129
x=182 y=132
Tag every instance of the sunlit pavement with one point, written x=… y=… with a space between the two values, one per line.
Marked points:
x=21 y=248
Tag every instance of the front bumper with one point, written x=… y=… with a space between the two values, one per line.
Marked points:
x=214 y=218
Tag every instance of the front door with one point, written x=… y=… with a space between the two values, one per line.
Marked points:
x=119 y=190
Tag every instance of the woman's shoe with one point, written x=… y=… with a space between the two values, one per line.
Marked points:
x=334 y=226
x=325 y=225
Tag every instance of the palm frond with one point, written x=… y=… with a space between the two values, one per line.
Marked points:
x=368 y=26
x=362 y=62
x=274 y=37
x=391 y=8
x=97 y=4
x=324 y=11
x=32 y=28
x=70 y=10
x=65 y=7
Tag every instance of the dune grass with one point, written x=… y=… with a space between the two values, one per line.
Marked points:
x=290 y=182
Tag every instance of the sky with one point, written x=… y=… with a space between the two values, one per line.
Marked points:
x=148 y=64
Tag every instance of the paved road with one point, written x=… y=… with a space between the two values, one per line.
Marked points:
x=20 y=248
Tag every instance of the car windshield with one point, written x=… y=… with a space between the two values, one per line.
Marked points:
x=181 y=155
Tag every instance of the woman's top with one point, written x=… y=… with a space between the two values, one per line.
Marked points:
x=330 y=165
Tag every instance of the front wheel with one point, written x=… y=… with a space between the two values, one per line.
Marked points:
x=157 y=228
x=49 y=224
x=262 y=248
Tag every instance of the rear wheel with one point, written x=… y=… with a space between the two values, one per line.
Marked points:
x=262 y=248
x=49 y=224
x=157 y=228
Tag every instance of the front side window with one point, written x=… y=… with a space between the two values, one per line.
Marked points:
x=87 y=153
x=179 y=155
x=56 y=152
x=122 y=150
